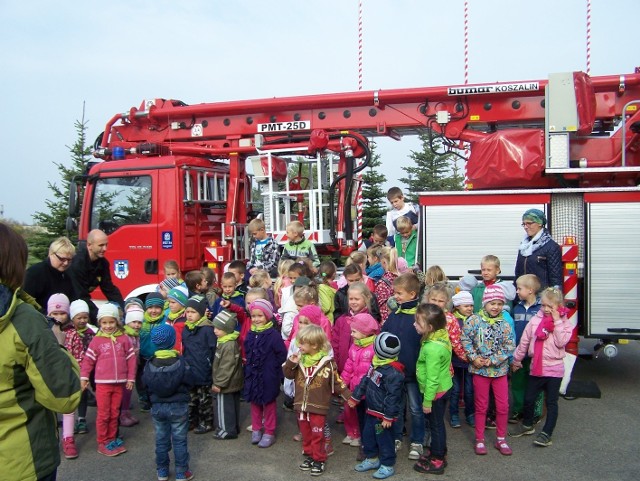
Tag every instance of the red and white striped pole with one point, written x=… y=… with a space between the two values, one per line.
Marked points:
x=588 y=37
x=359 y=200
x=466 y=42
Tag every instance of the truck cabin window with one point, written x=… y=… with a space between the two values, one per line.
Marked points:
x=119 y=201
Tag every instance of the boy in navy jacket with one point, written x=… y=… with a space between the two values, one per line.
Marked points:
x=168 y=379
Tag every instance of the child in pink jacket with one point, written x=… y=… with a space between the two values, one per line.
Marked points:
x=113 y=358
x=363 y=331
x=543 y=340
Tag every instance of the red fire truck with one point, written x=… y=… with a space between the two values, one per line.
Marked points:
x=171 y=181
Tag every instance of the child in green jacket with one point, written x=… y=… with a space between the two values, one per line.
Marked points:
x=434 y=379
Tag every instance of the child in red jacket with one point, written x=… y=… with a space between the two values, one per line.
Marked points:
x=112 y=356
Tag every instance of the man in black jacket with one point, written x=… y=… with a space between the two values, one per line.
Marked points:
x=90 y=269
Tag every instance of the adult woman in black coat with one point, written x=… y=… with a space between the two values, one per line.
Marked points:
x=50 y=276
x=539 y=254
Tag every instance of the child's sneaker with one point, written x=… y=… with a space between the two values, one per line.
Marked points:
x=163 y=474
x=117 y=446
x=203 y=429
x=455 y=421
x=355 y=443
x=256 y=436
x=107 y=449
x=81 y=426
x=502 y=446
x=415 y=450
x=306 y=464
x=521 y=430
x=267 y=441
x=384 y=472
x=367 y=465
x=398 y=445
x=297 y=437
x=490 y=424
x=430 y=466
x=480 y=448
x=543 y=439
x=69 y=448
x=347 y=440
x=186 y=476
x=515 y=418
x=317 y=468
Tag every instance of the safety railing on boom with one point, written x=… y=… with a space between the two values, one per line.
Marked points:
x=287 y=197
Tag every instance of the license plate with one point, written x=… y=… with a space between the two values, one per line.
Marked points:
x=284 y=126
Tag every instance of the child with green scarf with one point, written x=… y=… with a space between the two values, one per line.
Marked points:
x=227 y=374
x=434 y=379
x=316 y=379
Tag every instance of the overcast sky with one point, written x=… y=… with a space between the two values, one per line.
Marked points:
x=113 y=54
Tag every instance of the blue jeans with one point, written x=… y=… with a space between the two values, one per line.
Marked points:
x=414 y=398
x=436 y=425
x=171 y=422
x=377 y=442
x=462 y=377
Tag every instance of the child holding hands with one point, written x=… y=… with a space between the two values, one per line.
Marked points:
x=544 y=339
x=382 y=387
x=112 y=356
x=316 y=380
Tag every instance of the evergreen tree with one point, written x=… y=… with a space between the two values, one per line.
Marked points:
x=432 y=171
x=53 y=221
x=373 y=196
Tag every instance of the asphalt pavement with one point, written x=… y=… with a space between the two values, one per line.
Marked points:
x=595 y=440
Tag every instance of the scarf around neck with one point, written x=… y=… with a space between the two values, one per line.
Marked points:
x=113 y=336
x=130 y=331
x=308 y=360
x=166 y=353
x=488 y=319
x=192 y=325
x=229 y=337
x=365 y=341
x=262 y=328
x=172 y=316
x=529 y=245
x=378 y=362
x=441 y=336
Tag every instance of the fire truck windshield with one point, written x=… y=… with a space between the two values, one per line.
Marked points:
x=119 y=201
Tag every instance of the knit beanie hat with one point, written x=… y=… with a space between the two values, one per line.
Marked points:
x=134 y=313
x=132 y=301
x=311 y=312
x=264 y=306
x=179 y=294
x=58 y=302
x=492 y=292
x=535 y=215
x=462 y=298
x=108 y=310
x=197 y=303
x=468 y=282
x=365 y=324
x=78 y=307
x=386 y=345
x=402 y=265
x=169 y=283
x=509 y=290
x=301 y=281
x=226 y=321
x=163 y=336
x=154 y=299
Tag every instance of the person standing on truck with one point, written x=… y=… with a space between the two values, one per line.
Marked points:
x=49 y=277
x=539 y=254
x=90 y=269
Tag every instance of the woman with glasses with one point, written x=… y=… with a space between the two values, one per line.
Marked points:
x=50 y=276
x=539 y=254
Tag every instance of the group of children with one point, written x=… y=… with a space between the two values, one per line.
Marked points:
x=379 y=341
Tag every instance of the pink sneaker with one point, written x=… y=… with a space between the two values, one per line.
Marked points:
x=69 y=448
x=480 y=448
x=502 y=446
